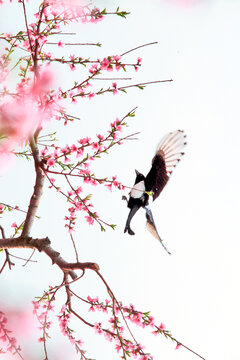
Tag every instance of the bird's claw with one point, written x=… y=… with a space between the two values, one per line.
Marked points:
x=129 y=230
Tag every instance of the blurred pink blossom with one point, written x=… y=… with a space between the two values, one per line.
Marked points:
x=18 y=119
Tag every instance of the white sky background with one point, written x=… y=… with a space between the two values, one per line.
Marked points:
x=195 y=292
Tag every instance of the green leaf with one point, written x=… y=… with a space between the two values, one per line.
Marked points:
x=150 y=193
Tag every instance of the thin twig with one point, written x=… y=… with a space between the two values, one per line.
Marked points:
x=30 y=257
x=7 y=260
x=112 y=78
x=20 y=258
x=89 y=44
x=26 y=23
x=74 y=246
x=138 y=47
x=13 y=207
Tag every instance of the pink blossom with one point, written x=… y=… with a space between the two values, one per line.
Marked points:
x=84 y=141
x=177 y=346
x=63 y=309
x=93 y=182
x=109 y=186
x=118 y=67
x=44 y=82
x=86 y=180
x=89 y=219
x=115 y=136
x=98 y=328
x=93 y=299
x=91 y=95
x=101 y=137
x=116 y=57
x=95 y=146
x=144 y=357
x=67 y=160
x=74 y=148
x=162 y=327
x=95 y=15
x=151 y=321
x=18 y=119
x=114 y=90
x=105 y=63
x=72 y=67
x=44 y=151
x=79 y=190
x=80 y=152
x=60 y=43
x=51 y=162
x=108 y=336
x=14 y=225
x=94 y=69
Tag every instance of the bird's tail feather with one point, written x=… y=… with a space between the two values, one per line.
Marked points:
x=152 y=228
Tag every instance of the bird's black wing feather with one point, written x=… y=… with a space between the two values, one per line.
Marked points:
x=157 y=177
x=167 y=156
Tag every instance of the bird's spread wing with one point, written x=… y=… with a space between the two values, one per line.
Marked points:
x=168 y=154
x=152 y=227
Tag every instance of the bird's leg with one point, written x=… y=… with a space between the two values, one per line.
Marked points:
x=132 y=212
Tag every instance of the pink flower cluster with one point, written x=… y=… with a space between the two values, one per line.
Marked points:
x=96 y=305
x=78 y=163
x=41 y=310
x=4 y=62
x=137 y=317
x=26 y=112
x=74 y=10
x=63 y=319
x=11 y=342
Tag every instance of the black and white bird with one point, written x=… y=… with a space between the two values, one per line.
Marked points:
x=168 y=154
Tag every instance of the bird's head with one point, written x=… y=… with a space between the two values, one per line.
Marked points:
x=139 y=177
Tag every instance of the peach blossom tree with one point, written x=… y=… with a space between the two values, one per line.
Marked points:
x=27 y=107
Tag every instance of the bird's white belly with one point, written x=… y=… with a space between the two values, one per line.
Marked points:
x=138 y=190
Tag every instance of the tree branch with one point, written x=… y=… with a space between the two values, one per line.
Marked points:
x=37 y=193
x=43 y=245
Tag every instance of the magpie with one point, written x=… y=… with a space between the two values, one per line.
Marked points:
x=168 y=154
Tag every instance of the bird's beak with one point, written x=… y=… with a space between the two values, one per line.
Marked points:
x=137 y=172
